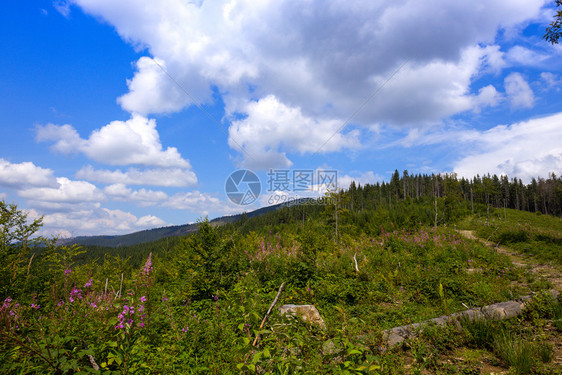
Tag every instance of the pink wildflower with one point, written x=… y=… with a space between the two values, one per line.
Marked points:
x=75 y=294
x=147 y=265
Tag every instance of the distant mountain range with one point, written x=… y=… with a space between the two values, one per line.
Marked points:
x=150 y=235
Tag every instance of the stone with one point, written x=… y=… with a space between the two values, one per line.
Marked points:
x=502 y=310
x=308 y=313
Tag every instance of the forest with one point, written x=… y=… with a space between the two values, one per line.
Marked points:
x=369 y=258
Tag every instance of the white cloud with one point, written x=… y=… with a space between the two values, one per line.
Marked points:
x=173 y=177
x=149 y=221
x=62 y=6
x=135 y=141
x=67 y=138
x=202 y=204
x=518 y=91
x=323 y=60
x=3 y=196
x=96 y=221
x=67 y=192
x=143 y=197
x=271 y=125
x=524 y=150
x=519 y=55
x=487 y=96
x=363 y=178
x=552 y=81
x=151 y=90
x=26 y=174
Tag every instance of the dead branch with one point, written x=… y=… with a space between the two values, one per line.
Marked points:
x=257 y=339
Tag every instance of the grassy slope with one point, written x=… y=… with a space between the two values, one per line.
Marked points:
x=534 y=234
x=205 y=298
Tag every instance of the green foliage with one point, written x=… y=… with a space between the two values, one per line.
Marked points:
x=554 y=32
x=15 y=241
x=194 y=304
x=540 y=236
x=515 y=352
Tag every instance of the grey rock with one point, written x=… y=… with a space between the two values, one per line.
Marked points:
x=497 y=311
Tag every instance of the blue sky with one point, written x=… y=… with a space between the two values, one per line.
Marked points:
x=122 y=116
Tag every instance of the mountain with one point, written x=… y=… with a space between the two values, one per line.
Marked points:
x=159 y=233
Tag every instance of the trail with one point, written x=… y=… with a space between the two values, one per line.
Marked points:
x=546 y=271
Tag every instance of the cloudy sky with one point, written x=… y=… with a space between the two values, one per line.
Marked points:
x=124 y=115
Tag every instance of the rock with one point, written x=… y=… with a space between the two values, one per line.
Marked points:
x=308 y=313
x=502 y=310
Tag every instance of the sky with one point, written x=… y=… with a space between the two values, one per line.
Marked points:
x=119 y=116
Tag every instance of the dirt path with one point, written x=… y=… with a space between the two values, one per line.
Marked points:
x=546 y=271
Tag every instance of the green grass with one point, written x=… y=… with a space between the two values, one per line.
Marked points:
x=533 y=234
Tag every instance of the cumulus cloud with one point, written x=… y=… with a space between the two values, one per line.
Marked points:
x=524 y=150
x=96 y=221
x=25 y=175
x=487 y=96
x=67 y=138
x=518 y=91
x=151 y=90
x=519 y=55
x=143 y=197
x=172 y=177
x=271 y=125
x=322 y=59
x=135 y=141
x=202 y=204
x=67 y=192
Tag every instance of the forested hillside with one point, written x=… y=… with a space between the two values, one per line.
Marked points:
x=369 y=258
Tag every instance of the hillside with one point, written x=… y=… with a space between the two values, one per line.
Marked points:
x=370 y=258
x=155 y=234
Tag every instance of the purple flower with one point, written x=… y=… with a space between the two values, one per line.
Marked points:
x=185 y=329
x=147 y=265
x=143 y=299
x=216 y=297
x=67 y=272
x=88 y=284
x=75 y=294
x=35 y=306
x=6 y=303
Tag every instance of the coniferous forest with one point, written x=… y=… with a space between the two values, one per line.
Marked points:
x=369 y=258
